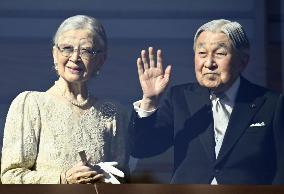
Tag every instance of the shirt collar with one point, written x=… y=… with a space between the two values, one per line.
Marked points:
x=231 y=93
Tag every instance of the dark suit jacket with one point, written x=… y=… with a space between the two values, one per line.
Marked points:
x=249 y=154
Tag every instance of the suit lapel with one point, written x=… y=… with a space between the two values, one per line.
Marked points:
x=197 y=100
x=246 y=105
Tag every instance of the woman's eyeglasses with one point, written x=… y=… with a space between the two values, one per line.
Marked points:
x=85 y=53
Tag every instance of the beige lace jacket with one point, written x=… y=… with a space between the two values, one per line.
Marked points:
x=42 y=137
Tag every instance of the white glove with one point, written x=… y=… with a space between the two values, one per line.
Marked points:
x=109 y=171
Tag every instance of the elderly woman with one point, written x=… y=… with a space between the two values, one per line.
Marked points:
x=45 y=131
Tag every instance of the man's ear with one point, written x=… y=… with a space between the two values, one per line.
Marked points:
x=244 y=61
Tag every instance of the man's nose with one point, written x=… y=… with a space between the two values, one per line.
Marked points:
x=210 y=62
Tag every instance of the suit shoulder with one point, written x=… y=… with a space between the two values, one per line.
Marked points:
x=263 y=91
x=187 y=86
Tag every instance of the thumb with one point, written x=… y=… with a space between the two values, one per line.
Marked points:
x=168 y=72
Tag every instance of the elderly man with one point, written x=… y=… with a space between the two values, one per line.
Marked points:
x=224 y=129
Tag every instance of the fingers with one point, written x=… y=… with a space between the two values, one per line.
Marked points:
x=88 y=180
x=87 y=174
x=168 y=72
x=144 y=59
x=79 y=172
x=151 y=57
x=98 y=176
x=79 y=167
x=140 y=66
x=159 y=59
x=84 y=176
x=143 y=64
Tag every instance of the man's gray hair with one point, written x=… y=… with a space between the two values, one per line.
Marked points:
x=233 y=30
x=82 y=22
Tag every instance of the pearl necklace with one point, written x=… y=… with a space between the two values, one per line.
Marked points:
x=68 y=98
x=79 y=104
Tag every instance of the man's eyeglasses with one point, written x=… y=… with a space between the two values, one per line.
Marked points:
x=85 y=53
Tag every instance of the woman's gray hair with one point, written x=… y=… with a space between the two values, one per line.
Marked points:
x=82 y=22
x=233 y=30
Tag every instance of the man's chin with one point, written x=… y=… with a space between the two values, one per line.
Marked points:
x=216 y=88
x=210 y=85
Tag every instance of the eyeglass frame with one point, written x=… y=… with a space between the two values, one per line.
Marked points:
x=94 y=53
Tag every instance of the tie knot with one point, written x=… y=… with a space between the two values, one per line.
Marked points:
x=218 y=96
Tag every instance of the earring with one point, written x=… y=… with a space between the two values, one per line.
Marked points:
x=56 y=68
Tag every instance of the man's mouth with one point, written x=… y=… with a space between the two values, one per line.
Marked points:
x=211 y=73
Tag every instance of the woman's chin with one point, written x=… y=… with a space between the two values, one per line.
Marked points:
x=75 y=78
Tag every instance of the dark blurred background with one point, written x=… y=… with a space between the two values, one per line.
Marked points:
x=27 y=28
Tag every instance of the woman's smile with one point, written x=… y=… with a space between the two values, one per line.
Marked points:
x=74 y=70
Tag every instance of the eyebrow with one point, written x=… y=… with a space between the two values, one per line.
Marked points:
x=85 y=40
x=222 y=45
x=200 y=45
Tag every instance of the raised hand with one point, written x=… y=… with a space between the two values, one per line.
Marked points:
x=153 y=79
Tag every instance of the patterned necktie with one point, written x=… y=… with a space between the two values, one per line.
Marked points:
x=221 y=116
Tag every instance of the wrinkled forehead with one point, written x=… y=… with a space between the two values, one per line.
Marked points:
x=216 y=39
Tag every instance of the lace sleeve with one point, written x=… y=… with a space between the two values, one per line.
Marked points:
x=20 y=143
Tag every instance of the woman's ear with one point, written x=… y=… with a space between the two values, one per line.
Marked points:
x=54 y=54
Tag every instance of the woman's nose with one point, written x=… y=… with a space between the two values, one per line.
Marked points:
x=75 y=55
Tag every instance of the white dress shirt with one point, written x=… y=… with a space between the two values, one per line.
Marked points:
x=220 y=128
